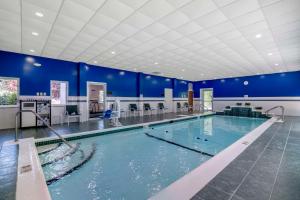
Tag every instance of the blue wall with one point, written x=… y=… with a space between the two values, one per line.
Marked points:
x=37 y=79
x=130 y=84
x=119 y=83
x=270 y=85
x=154 y=86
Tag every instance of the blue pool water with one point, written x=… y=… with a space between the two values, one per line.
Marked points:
x=132 y=165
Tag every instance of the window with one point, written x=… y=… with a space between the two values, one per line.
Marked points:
x=101 y=96
x=9 y=91
x=59 y=92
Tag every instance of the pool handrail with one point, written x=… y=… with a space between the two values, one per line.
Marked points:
x=282 y=112
x=44 y=122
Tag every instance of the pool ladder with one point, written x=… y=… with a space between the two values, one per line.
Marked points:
x=40 y=118
x=281 y=119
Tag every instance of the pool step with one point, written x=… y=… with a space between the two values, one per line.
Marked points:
x=53 y=153
x=47 y=148
x=59 y=168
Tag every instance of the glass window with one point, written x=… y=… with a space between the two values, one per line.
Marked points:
x=101 y=96
x=9 y=91
x=59 y=92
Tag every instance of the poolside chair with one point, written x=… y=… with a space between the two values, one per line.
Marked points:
x=147 y=108
x=72 y=112
x=178 y=106
x=113 y=119
x=161 y=107
x=133 y=108
x=227 y=107
x=185 y=106
x=247 y=104
x=239 y=104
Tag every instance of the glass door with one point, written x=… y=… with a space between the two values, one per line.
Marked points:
x=207 y=99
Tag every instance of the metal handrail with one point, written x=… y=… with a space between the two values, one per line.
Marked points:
x=38 y=116
x=282 y=111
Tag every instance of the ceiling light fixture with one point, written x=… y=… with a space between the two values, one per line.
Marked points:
x=258 y=35
x=270 y=54
x=39 y=14
x=35 y=33
x=113 y=52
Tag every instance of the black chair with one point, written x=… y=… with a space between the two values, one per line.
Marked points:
x=227 y=107
x=72 y=112
x=178 y=106
x=133 y=108
x=258 y=108
x=161 y=107
x=247 y=104
x=147 y=108
x=239 y=104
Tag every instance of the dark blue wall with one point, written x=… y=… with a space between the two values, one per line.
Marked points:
x=270 y=85
x=130 y=84
x=119 y=83
x=37 y=79
x=180 y=88
x=153 y=86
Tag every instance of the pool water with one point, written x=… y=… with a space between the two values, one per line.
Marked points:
x=132 y=165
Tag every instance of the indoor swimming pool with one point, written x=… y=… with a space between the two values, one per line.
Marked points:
x=139 y=163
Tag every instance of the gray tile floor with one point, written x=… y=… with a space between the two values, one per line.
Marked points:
x=8 y=172
x=269 y=169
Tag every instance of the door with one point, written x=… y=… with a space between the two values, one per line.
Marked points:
x=96 y=99
x=169 y=99
x=207 y=99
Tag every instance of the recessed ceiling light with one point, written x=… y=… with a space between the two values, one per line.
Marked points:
x=39 y=14
x=276 y=64
x=35 y=33
x=258 y=35
x=270 y=54
x=113 y=52
x=31 y=50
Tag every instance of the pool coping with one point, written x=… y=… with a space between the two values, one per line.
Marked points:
x=190 y=184
x=31 y=183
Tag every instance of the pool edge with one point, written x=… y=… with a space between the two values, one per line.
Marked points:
x=187 y=186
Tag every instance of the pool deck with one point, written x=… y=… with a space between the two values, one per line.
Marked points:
x=269 y=169
x=96 y=124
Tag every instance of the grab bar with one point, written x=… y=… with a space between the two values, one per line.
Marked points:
x=38 y=116
x=282 y=112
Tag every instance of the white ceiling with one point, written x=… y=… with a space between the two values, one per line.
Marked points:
x=189 y=39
